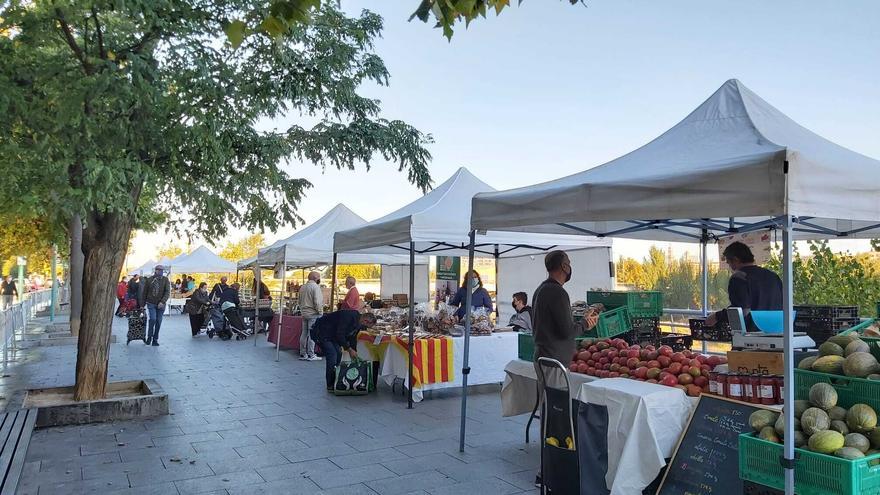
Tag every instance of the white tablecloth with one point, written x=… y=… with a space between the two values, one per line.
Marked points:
x=520 y=389
x=644 y=423
x=488 y=355
x=176 y=304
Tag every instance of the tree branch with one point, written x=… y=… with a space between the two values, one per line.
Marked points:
x=71 y=42
x=101 y=50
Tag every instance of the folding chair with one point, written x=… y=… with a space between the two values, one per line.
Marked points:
x=560 y=473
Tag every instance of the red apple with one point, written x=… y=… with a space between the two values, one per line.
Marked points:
x=613 y=374
x=593 y=348
x=664 y=361
x=573 y=367
x=677 y=357
x=674 y=368
x=591 y=371
x=695 y=371
x=685 y=379
x=653 y=364
x=642 y=372
x=614 y=367
x=652 y=373
x=604 y=360
x=713 y=361
x=669 y=381
x=694 y=391
x=582 y=367
x=633 y=353
x=665 y=350
x=701 y=381
x=624 y=370
x=653 y=355
x=591 y=363
x=583 y=356
x=632 y=362
x=651 y=380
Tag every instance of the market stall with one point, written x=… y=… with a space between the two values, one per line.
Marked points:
x=735 y=164
x=438 y=223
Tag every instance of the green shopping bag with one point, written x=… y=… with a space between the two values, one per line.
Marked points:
x=354 y=377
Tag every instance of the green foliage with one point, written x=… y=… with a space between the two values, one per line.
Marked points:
x=359 y=272
x=825 y=277
x=169 y=251
x=135 y=108
x=446 y=13
x=243 y=248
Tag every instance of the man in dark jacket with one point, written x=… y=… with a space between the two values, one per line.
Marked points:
x=751 y=287
x=155 y=292
x=8 y=291
x=219 y=288
x=337 y=331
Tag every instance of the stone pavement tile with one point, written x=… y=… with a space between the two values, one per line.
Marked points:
x=217 y=426
x=183 y=471
x=365 y=458
x=242 y=441
x=432 y=447
x=187 y=438
x=263 y=431
x=219 y=455
x=352 y=476
x=486 y=468
x=494 y=438
x=282 y=487
x=76 y=462
x=167 y=488
x=382 y=442
x=169 y=450
x=410 y=482
x=524 y=480
x=408 y=465
x=102 y=470
x=218 y=482
x=246 y=464
x=82 y=487
x=272 y=410
x=268 y=448
x=491 y=486
x=34 y=479
x=297 y=471
x=108 y=443
x=320 y=452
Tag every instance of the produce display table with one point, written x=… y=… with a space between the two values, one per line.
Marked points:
x=520 y=389
x=175 y=303
x=642 y=424
x=291 y=328
x=489 y=354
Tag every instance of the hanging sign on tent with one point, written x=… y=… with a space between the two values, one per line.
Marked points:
x=758 y=242
x=448 y=273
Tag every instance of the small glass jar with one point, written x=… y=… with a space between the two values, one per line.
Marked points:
x=746 y=388
x=721 y=386
x=713 y=383
x=755 y=387
x=735 y=386
x=768 y=390
x=779 y=388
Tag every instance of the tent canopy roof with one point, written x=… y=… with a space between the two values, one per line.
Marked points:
x=202 y=260
x=145 y=268
x=313 y=245
x=438 y=223
x=735 y=163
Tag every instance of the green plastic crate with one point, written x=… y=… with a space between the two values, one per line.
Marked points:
x=814 y=473
x=526 y=346
x=611 y=323
x=850 y=390
x=640 y=304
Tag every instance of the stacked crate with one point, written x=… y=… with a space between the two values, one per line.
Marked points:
x=823 y=322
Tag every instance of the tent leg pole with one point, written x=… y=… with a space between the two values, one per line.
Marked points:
x=411 y=319
x=333 y=286
x=465 y=370
x=704 y=277
x=280 y=310
x=256 y=303
x=788 y=353
x=497 y=287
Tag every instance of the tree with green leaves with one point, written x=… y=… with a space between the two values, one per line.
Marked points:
x=243 y=248
x=120 y=113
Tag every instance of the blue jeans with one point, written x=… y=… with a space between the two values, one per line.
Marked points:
x=155 y=315
x=332 y=357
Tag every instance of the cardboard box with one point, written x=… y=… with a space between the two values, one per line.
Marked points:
x=761 y=362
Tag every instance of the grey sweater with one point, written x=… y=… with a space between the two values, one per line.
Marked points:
x=552 y=324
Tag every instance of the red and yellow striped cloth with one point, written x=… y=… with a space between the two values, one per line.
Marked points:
x=433 y=358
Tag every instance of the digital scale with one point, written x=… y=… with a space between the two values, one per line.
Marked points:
x=769 y=341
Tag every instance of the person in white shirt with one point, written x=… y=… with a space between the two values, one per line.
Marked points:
x=311 y=306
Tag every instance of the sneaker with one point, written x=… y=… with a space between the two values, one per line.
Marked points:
x=538 y=481
x=155 y=343
x=315 y=358
x=303 y=358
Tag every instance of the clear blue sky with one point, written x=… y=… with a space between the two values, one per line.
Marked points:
x=548 y=89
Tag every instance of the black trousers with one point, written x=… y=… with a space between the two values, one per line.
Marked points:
x=195 y=323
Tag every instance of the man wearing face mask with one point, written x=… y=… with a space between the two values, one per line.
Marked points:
x=553 y=326
x=155 y=292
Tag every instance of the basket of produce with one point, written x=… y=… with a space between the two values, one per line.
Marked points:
x=868 y=331
x=836 y=447
x=611 y=323
x=845 y=363
x=641 y=304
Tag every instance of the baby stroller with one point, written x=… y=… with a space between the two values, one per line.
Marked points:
x=217 y=324
x=234 y=322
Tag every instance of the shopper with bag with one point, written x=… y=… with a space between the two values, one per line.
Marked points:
x=335 y=332
x=196 y=307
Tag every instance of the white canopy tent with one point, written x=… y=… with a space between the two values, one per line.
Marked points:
x=735 y=164
x=202 y=260
x=438 y=223
x=145 y=268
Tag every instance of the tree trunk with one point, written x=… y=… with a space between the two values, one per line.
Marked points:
x=77 y=261
x=105 y=240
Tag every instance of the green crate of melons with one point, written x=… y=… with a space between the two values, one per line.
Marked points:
x=844 y=362
x=868 y=331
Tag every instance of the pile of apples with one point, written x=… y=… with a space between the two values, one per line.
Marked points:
x=613 y=358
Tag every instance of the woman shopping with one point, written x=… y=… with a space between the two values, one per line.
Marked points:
x=479 y=298
x=196 y=307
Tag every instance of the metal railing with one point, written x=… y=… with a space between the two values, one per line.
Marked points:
x=15 y=317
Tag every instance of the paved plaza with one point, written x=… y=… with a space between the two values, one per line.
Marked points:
x=242 y=423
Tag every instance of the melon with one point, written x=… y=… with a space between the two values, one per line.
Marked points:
x=857 y=440
x=823 y=395
x=838 y=413
x=861 y=418
x=826 y=442
x=761 y=419
x=829 y=364
x=839 y=426
x=856 y=346
x=843 y=340
x=769 y=434
x=780 y=425
x=815 y=420
x=799 y=439
x=802 y=405
x=830 y=349
x=860 y=365
x=849 y=453
x=874 y=376
x=874 y=436
x=807 y=363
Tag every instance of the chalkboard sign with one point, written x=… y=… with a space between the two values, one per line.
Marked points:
x=706 y=461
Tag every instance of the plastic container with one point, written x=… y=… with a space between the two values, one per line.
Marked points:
x=641 y=304
x=526 y=345
x=611 y=323
x=815 y=474
x=850 y=390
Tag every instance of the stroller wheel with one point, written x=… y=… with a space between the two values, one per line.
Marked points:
x=210 y=334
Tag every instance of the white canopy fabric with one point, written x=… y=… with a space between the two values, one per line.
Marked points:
x=438 y=223
x=313 y=245
x=734 y=156
x=145 y=268
x=202 y=260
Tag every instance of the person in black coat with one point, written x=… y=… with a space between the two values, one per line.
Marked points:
x=337 y=331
